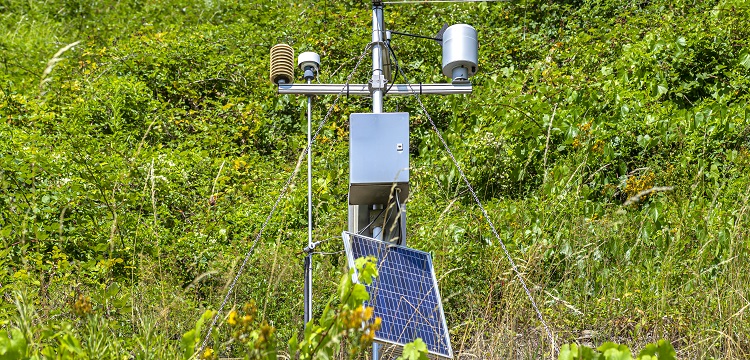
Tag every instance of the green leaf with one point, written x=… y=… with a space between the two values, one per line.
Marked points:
x=68 y=342
x=415 y=350
x=12 y=347
x=191 y=338
x=745 y=61
x=576 y=352
x=568 y=352
x=325 y=353
x=587 y=353
x=112 y=290
x=359 y=294
x=662 y=89
x=367 y=268
x=612 y=351
x=293 y=345
x=328 y=315
x=345 y=284
x=662 y=350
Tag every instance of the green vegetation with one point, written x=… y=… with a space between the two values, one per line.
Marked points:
x=611 y=351
x=141 y=147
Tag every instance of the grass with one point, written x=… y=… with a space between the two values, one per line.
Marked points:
x=135 y=172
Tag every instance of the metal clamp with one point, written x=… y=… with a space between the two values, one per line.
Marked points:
x=377 y=83
x=310 y=248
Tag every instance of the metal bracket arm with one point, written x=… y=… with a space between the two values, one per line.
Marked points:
x=364 y=89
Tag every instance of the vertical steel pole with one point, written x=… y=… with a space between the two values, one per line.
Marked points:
x=358 y=214
x=378 y=78
x=308 y=258
x=378 y=85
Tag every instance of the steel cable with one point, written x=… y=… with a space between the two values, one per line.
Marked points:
x=484 y=212
x=284 y=188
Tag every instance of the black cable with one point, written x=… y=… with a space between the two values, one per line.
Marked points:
x=395 y=61
x=400 y=219
x=371 y=222
x=416 y=36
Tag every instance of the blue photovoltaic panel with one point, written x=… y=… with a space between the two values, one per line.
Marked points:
x=405 y=294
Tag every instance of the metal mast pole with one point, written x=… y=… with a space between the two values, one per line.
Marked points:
x=359 y=214
x=378 y=85
x=465 y=59
x=308 y=258
x=378 y=77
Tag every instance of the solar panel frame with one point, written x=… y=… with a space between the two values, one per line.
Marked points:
x=348 y=238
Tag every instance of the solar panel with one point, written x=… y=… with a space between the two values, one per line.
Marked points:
x=404 y=295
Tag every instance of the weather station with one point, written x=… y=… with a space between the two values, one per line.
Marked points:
x=405 y=295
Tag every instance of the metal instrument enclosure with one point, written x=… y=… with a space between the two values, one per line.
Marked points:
x=378 y=157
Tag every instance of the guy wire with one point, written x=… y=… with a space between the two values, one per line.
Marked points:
x=550 y=336
x=284 y=188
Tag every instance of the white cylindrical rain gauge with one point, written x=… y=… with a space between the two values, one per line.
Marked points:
x=460 y=52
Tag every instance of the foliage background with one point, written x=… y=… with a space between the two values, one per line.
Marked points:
x=137 y=165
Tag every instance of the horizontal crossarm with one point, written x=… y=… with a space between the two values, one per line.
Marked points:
x=364 y=89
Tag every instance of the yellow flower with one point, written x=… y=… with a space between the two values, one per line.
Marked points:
x=82 y=306
x=368 y=312
x=208 y=354
x=367 y=337
x=376 y=325
x=586 y=126
x=635 y=185
x=598 y=147
x=232 y=318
